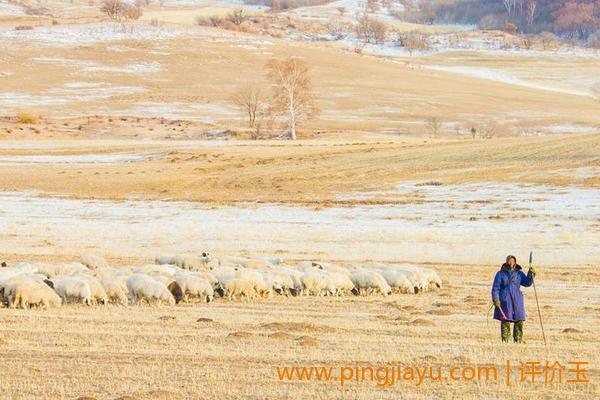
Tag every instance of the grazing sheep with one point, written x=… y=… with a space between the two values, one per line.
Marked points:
x=142 y=287
x=282 y=282
x=193 y=286
x=164 y=259
x=223 y=274
x=232 y=260
x=397 y=280
x=115 y=291
x=240 y=287
x=260 y=286
x=32 y=293
x=415 y=275
x=99 y=295
x=295 y=276
x=176 y=291
x=71 y=288
x=93 y=261
x=317 y=284
x=342 y=283
x=367 y=282
x=8 y=285
x=308 y=265
x=432 y=277
x=52 y=270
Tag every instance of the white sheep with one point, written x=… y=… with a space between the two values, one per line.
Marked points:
x=397 y=280
x=342 y=283
x=295 y=277
x=367 y=282
x=191 y=262
x=115 y=291
x=93 y=261
x=257 y=279
x=432 y=277
x=72 y=288
x=164 y=259
x=194 y=286
x=32 y=293
x=240 y=287
x=143 y=287
x=99 y=295
x=317 y=284
x=52 y=270
x=415 y=275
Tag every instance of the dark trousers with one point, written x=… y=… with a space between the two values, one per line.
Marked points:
x=517 y=331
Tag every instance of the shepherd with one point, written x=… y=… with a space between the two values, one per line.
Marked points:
x=508 y=298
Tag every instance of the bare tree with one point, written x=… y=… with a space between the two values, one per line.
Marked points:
x=378 y=30
x=531 y=9
x=251 y=100
x=548 y=40
x=119 y=10
x=488 y=129
x=293 y=95
x=115 y=9
x=434 y=124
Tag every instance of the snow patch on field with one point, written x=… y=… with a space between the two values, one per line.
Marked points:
x=89 y=66
x=73 y=35
x=569 y=128
x=190 y=111
x=10 y=9
x=70 y=92
x=504 y=77
x=474 y=223
x=110 y=158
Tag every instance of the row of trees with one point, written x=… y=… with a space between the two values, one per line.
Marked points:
x=572 y=19
x=291 y=99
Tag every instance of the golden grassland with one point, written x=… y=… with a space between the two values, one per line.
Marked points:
x=308 y=172
x=356 y=93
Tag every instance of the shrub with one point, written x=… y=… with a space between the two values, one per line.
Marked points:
x=413 y=41
x=212 y=20
x=26 y=118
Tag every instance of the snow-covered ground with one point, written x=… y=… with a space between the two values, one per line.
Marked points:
x=190 y=111
x=88 y=66
x=10 y=9
x=350 y=9
x=504 y=77
x=103 y=158
x=70 y=92
x=475 y=223
x=75 y=35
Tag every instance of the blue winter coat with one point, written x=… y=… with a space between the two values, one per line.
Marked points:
x=506 y=287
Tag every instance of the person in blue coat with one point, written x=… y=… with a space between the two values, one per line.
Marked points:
x=508 y=298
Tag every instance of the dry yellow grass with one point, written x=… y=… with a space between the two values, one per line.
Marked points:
x=311 y=172
x=108 y=352
x=356 y=93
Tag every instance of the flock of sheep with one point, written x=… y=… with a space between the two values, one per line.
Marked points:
x=174 y=279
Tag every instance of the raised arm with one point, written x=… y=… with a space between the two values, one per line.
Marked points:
x=526 y=279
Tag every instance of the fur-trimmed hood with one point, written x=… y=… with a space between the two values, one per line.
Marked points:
x=505 y=267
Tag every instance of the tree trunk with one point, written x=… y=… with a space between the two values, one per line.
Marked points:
x=293 y=129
